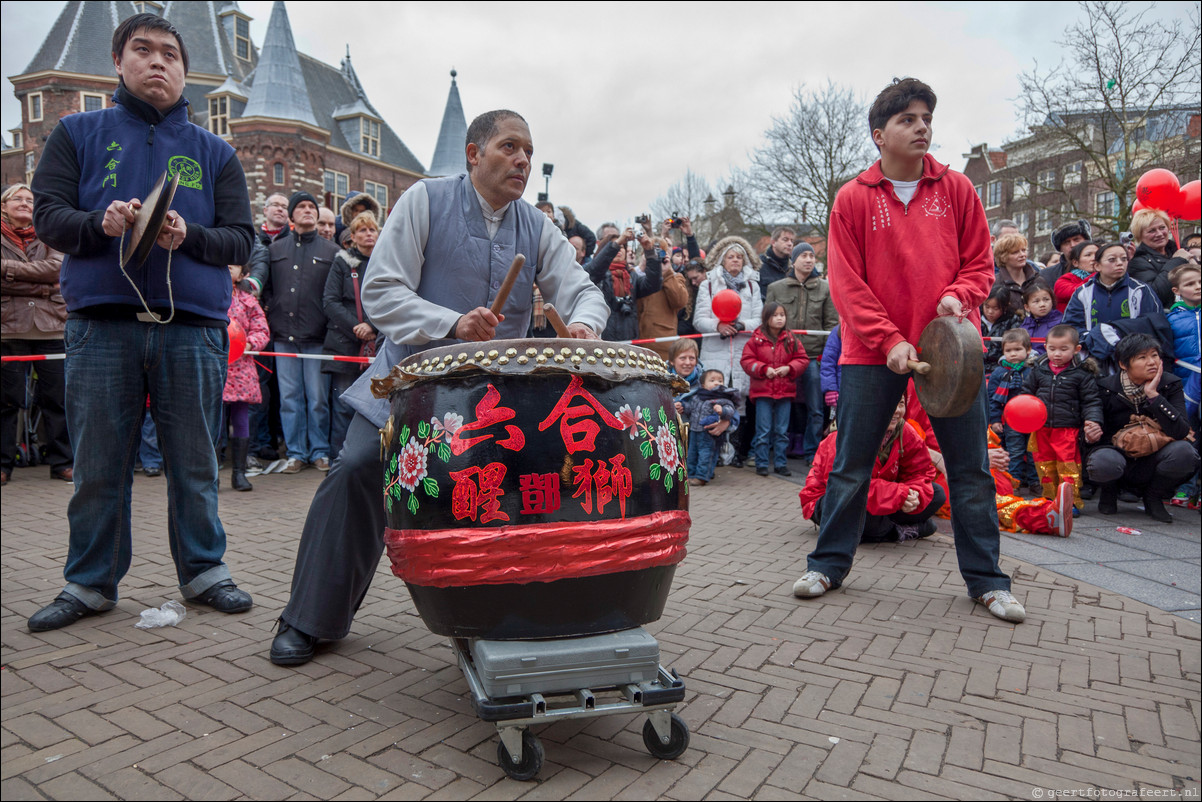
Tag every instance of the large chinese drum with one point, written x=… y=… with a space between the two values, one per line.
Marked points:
x=534 y=488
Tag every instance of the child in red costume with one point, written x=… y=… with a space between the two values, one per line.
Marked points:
x=902 y=495
x=908 y=241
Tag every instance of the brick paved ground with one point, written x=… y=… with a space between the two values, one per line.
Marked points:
x=896 y=687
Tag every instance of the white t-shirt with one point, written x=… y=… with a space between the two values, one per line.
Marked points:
x=905 y=190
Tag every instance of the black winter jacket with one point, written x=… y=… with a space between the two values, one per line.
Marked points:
x=623 y=323
x=772 y=270
x=1167 y=408
x=294 y=286
x=338 y=302
x=1070 y=396
x=1152 y=268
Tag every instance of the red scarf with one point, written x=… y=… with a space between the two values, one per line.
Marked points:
x=621 y=278
x=21 y=237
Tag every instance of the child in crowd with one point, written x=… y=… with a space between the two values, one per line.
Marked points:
x=1186 y=281
x=996 y=319
x=1068 y=388
x=1042 y=313
x=902 y=494
x=1083 y=268
x=773 y=359
x=242 y=380
x=1005 y=383
x=828 y=371
x=710 y=411
x=1183 y=316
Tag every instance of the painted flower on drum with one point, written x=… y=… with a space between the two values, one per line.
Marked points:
x=630 y=419
x=669 y=456
x=450 y=424
x=411 y=467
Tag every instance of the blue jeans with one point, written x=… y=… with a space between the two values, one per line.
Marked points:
x=811 y=388
x=703 y=455
x=111 y=367
x=867 y=397
x=148 y=451
x=1022 y=465
x=304 y=402
x=771 y=429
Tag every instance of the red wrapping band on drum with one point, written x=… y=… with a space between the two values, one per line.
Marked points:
x=536 y=553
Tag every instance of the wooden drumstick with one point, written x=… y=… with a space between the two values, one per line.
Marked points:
x=561 y=328
x=519 y=262
x=919 y=367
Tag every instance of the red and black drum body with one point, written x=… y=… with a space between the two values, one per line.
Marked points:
x=534 y=488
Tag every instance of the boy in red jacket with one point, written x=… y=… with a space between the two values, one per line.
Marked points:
x=908 y=241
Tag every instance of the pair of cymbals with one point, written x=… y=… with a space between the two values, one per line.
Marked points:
x=149 y=221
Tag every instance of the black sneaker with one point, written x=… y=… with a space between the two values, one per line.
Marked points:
x=63 y=611
x=783 y=471
x=761 y=470
x=225 y=597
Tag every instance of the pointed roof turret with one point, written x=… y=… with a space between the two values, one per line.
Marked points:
x=81 y=38
x=279 y=88
x=449 y=155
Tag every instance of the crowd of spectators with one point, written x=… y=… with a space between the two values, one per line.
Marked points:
x=762 y=386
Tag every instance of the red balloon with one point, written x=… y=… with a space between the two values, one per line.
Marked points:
x=1190 y=207
x=1138 y=206
x=726 y=305
x=237 y=341
x=1025 y=413
x=1158 y=189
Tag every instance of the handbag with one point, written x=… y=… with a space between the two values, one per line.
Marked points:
x=367 y=348
x=1141 y=437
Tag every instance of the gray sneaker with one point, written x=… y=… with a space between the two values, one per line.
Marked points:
x=1002 y=604
x=811 y=585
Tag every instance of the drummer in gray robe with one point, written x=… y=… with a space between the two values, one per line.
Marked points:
x=437 y=267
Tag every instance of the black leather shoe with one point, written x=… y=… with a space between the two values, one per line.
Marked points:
x=761 y=470
x=783 y=471
x=153 y=471
x=225 y=597
x=63 y=611
x=292 y=647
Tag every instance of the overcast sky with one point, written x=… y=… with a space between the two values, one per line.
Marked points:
x=624 y=97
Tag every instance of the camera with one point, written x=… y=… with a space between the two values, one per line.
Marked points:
x=641 y=219
x=674 y=221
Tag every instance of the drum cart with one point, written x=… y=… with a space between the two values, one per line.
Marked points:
x=519 y=752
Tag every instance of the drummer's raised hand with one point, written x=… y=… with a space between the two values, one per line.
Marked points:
x=950 y=305
x=173 y=233
x=580 y=331
x=899 y=355
x=478 y=325
x=119 y=216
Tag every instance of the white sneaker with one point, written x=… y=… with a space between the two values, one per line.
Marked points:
x=1002 y=604
x=811 y=585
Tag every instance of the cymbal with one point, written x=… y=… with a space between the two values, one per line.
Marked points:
x=149 y=221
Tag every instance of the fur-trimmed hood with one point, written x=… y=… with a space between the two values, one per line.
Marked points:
x=714 y=257
x=373 y=206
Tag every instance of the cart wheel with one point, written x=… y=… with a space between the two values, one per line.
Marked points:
x=678 y=741
x=532 y=758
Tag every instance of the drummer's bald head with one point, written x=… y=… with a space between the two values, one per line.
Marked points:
x=484 y=127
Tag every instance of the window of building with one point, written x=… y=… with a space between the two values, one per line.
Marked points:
x=1106 y=204
x=91 y=101
x=34 y=100
x=1043 y=221
x=1047 y=179
x=219 y=115
x=148 y=7
x=377 y=191
x=242 y=38
x=1023 y=221
x=31 y=161
x=277 y=174
x=336 y=185
x=993 y=194
x=1021 y=188
x=1073 y=173
x=18 y=140
x=980 y=192
x=369 y=137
